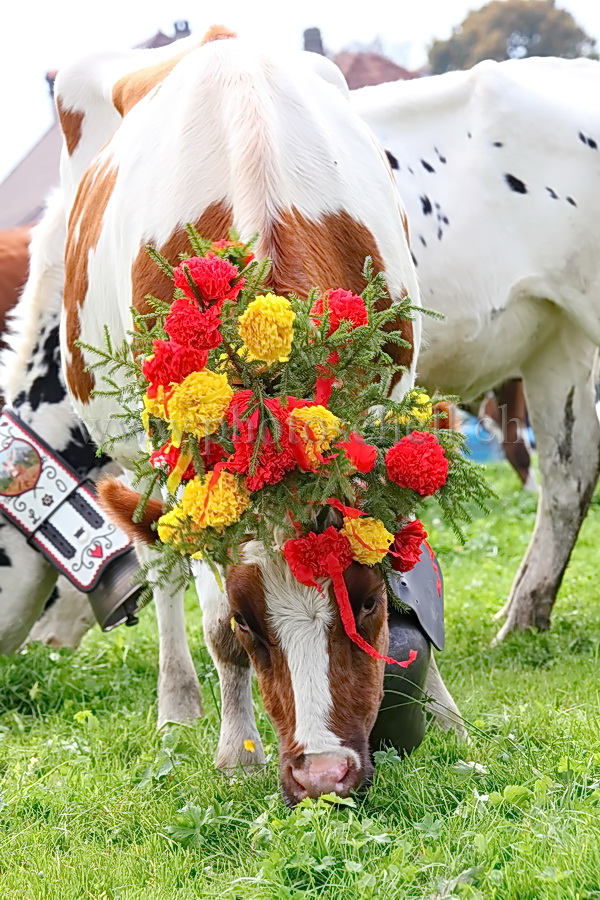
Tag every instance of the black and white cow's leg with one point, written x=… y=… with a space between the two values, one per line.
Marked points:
x=66 y=618
x=239 y=741
x=560 y=397
x=441 y=704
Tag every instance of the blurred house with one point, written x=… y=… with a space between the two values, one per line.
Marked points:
x=24 y=190
x=360 y=67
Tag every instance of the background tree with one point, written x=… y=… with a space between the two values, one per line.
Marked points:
x=509 y=29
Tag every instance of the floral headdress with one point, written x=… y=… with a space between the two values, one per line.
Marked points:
x=265 y=413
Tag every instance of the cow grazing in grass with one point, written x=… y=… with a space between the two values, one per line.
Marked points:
x=220 y=135
x=499 y=168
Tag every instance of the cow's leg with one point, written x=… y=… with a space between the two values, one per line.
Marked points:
x=66 y=618
x=441 y=704
x=178 y=686
x=560 y=396
x=239 y=741
x=510 y=398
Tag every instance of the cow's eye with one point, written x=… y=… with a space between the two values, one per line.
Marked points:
x=369 y=605
x=240 y=622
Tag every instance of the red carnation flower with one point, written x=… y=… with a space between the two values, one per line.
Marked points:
x=273 y=461
x=171 y=362
x=213 y=277
x=187 y=324
x=418 y=462
x=406 y=550
x=307 y=556
x=363 y=456
x=342 y=306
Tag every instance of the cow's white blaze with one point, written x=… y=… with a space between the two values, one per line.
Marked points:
x=300 y=617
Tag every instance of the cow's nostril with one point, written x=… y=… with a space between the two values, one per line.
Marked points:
x=322 y=774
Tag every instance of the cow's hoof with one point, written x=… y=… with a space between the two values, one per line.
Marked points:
x=180 y=707
x=239 y=757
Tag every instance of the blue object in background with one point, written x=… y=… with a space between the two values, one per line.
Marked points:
x=483 y=445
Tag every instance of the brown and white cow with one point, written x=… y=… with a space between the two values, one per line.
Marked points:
x=221 y=135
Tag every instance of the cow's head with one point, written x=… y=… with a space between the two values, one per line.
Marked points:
x=322 y=692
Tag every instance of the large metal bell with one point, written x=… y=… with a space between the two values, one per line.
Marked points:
x=114 y=600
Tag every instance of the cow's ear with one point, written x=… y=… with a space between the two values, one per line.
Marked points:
x=327 y=70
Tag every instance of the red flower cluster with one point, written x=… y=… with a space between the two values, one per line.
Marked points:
x=171 y=362
x=308 y=557
x=341 y=306
x=272 y=462
x=187 y=324
x=418 y=462
x=215 y=279
x=167 y=458
x=363 y=456
x=407 y=547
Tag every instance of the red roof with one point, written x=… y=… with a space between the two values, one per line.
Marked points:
x=362 y=69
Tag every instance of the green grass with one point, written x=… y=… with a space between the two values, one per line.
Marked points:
x=95 y=805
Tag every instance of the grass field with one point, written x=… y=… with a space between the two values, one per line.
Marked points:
x=95 y=804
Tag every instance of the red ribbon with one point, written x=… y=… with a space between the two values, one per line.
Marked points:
x=336 y=573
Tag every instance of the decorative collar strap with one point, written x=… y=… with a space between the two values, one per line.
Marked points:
x=57 y=510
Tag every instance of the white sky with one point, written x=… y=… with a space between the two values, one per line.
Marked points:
x=38 y=35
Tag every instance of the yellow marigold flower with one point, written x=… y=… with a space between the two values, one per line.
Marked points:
x=316 y=427
x=369 y=538
x=154 y=406
x=218 y=507
x=266 y=328
x=198 y=404
x=422 y=408
x=171 y=524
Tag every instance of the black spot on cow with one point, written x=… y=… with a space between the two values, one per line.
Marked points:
x=414 y=259
x=445 y=220
x=588 y=141
x=48 y=386
x=571 y=201
x=4 y=560
x=51 y=599
x=552 y=193
x=426 y=205
x=410 y=170
x=565 y=445
x=469 y=135
x=80 y=452
x=497 y=144
x=427 y=166
x=441 y=158
x=422 y=239
x=392 y=160
x=515 y=184
x=440 y=234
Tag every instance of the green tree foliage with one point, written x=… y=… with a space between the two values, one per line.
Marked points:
x=511 y=29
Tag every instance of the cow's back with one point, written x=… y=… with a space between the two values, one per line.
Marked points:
x=499 y=169
x=229 y=137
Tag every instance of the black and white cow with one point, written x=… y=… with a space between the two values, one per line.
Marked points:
x=499 y=169
x=33 y=386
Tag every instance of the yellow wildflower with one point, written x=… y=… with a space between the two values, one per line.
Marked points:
x=369 y=538
x=218 y=507
x=249 y=745
x=266 y=328
x=316 y=428
x=198 y=404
